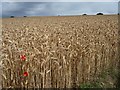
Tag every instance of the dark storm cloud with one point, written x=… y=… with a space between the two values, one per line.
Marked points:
x=119 y=7
x=18 y=8
x=52 y=8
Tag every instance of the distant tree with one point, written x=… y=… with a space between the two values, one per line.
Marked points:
x=99 y=13
x=118 y=14
x=11 y=16
x=84 y=14
x=24 y=16
x=58 y=15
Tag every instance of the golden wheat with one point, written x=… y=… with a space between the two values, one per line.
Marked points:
x=60 y=51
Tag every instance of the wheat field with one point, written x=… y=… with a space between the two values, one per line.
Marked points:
x=58 y=51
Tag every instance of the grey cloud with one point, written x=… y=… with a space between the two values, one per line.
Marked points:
x=60 y=0
x=18 y=8
x=55 y=8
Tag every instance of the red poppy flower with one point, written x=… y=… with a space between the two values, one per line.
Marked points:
x=25 y=74
x=23 y=57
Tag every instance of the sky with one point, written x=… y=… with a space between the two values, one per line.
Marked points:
x=57 y=8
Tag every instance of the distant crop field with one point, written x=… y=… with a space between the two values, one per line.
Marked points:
x=59 y=52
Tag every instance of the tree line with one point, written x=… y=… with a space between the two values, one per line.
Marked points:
x=59 y=15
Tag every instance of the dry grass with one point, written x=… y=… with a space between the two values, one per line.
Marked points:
x=60 y=51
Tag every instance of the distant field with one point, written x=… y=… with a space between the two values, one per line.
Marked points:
x=61 y=51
